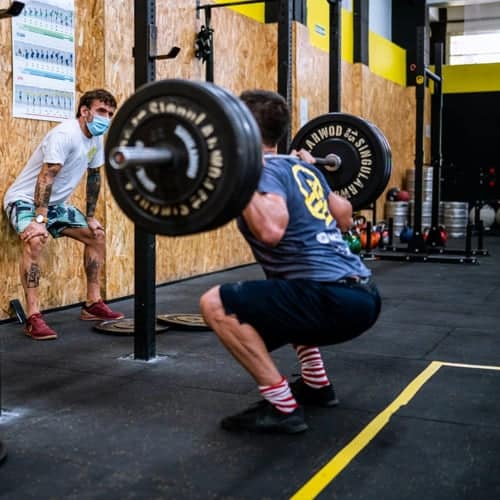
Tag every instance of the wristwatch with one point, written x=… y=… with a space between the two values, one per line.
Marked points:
x=41 y=219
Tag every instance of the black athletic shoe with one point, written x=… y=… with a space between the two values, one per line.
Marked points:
x=264 y=417
x=306 y=395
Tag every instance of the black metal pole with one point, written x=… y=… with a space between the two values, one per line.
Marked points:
x=434 y=238
x=361 y=15
x=209 y=70
x=335 y=97
x=416 y=243
x=285 y=12
x=145 y=243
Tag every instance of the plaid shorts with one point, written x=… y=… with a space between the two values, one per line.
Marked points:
x=60 y=217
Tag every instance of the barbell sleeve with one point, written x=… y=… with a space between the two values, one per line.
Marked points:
x=331 y=162
x=127 y=156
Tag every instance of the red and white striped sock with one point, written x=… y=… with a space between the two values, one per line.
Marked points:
x=280 y=396
x=312 y=367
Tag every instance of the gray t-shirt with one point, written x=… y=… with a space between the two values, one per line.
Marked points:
x=312 y=247
x=67 y=145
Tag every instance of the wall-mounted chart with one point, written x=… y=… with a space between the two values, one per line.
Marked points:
x=43 y=46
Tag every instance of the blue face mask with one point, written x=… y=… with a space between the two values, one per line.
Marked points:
x=99 y=125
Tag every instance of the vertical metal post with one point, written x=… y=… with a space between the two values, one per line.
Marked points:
x=361 y=14
x=335 y=97
x=437 y=133
x=416 y=243
x=285 y=11
x=209 y=70
x=434 y=237
x=145 y=243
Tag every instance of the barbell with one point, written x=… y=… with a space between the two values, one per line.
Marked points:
x=184 y=157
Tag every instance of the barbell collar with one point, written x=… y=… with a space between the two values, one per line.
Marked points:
x=331 y=161
x=128 y=156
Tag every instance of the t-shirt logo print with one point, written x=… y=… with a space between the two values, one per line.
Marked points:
x=91 y=153
x=314 y=195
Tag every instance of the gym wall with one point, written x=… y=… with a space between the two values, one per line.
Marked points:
x=245 y=56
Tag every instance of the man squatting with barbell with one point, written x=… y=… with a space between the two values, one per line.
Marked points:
x=316 y=293
x=36 y=205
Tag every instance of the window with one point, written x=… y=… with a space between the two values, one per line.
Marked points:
x=474 y=48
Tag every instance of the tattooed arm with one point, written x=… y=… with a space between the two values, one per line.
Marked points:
x=43 y=190
x=93 y=188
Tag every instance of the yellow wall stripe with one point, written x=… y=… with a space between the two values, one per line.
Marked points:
x=326 y=475
x=318 y=22
x=347 y=46
x=467 y=78
x=386 y=59
x=255 y=11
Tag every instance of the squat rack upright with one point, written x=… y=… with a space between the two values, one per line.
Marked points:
x=433 y=249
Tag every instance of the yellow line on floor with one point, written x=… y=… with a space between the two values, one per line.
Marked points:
x=326 y=475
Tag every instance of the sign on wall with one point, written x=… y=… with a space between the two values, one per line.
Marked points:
x=43 y=55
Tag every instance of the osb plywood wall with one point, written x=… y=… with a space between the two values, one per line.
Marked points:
x=104 y=41
x=311 y=80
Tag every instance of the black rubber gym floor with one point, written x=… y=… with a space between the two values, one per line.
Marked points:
x=419 y=416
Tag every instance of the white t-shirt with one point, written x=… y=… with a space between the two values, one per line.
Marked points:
x=67 y=145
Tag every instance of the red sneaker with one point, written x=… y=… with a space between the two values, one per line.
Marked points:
x=99 y=311
x=37 y=329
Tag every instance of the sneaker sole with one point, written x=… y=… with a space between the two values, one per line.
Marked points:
x=46 y=337
x=311 y=402
x=326 y=404
x=331 y=404
x=90 y=317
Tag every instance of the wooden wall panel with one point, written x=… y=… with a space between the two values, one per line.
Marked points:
x=311 y=80
x=245 y=52
x=119 y=79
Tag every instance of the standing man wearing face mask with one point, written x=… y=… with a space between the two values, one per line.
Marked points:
x=36 y=205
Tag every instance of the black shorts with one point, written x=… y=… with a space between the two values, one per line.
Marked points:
x=301 y=311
